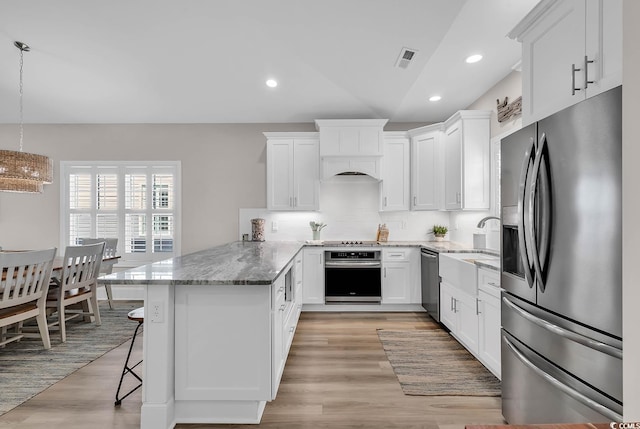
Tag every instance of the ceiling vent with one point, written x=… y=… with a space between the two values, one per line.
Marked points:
x=405 y=57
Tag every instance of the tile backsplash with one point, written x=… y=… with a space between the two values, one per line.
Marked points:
x=349 y=205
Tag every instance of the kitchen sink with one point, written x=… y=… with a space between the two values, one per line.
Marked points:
x=459 y=269
x=471 y=257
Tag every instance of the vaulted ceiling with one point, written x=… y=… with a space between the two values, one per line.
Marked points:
x=206 y=61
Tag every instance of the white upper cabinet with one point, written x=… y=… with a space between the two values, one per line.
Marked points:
x=351 y=137
x=426 y=168
x=394 y=187
x=293 y=177
x=571 y=50
x=467 y=161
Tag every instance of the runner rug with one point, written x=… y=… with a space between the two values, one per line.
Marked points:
x=27 y=369
x=432 y=363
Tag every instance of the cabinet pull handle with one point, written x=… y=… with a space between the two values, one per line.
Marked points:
x=295 y=201
x=452 y=304
x=385 y=201
x=385 y=272
x=455 y=305
x=415 y=201
x=493 y=284
x=478 y=306
x=573 y=79
x=282 y=307
x=587 y=61
x=290 y=201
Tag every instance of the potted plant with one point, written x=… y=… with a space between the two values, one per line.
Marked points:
x=439 y=231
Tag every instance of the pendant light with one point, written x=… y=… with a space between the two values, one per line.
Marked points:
x=22 y=171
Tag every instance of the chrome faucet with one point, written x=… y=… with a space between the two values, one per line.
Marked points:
x=485 y=219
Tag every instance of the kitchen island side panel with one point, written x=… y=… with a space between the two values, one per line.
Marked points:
x=223 y=343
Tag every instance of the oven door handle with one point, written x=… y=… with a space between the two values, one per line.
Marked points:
x=354 y=264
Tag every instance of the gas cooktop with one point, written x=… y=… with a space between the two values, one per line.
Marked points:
x=351 y=243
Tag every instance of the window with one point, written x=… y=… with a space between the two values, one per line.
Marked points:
x=136 y=202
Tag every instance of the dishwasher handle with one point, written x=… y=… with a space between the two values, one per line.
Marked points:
x=428 y=254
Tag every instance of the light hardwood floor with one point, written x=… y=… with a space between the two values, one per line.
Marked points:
x=336 y=376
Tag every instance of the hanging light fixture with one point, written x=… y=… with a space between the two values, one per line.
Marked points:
x=21 y=171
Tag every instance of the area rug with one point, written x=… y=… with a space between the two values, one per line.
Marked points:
x=27 y=369
x=432 y=363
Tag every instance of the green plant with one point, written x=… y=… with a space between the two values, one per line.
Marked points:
x=439 y=230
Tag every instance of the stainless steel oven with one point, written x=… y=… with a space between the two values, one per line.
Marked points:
x=352 y=276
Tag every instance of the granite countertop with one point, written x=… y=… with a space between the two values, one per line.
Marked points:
x=236 y=263
x=249 y=263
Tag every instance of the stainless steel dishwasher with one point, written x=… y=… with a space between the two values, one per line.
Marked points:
x=430 y=283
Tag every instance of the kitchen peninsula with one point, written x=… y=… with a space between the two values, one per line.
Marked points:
x=218 y=325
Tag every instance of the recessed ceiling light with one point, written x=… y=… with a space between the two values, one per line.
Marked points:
x=272 y=83
x=473 y=58
x=435 y=98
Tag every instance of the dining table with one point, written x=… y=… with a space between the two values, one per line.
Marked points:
x=58 y=263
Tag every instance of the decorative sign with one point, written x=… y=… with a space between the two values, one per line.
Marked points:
x=508 y=110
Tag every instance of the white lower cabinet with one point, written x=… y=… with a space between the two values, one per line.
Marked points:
x=474 y=319
x=447 y=310
x=401 y=276
x=278 y=357
x=458 y=313
x=286 y=308
x=313 y=276
x=396 y=283
x=489 y=320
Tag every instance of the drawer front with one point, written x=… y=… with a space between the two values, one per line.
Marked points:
x=400 y=254
x=489 y=282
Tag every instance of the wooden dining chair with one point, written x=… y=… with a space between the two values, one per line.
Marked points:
x=76 y=284
x=110 y=250
x=23 y=291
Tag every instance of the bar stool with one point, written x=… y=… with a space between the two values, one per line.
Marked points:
x=136 y=315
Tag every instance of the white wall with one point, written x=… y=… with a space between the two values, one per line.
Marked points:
x=630 y=210
x=223 y=169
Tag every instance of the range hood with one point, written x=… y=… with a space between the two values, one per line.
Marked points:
x=351 y=147
x=350 y=166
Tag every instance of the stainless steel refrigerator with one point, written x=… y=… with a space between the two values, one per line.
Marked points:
x=561 y=181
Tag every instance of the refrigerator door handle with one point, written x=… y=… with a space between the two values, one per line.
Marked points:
x=522 y=230
x=535 y=175
x=577 y=338
x=610 y=414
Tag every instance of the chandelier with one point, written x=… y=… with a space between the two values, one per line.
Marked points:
x=22 y=171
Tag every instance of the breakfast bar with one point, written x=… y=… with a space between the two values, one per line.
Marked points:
x=218 y=326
